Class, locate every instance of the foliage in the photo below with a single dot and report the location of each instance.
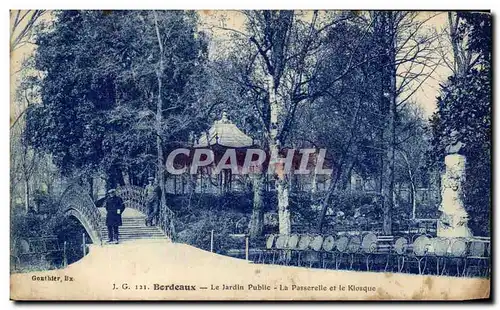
(31, 224)
(198, 231)
(98, 90)
(477, 26)
(369, 204)
(464, 115)
(38, 221)
(46, 221)
(235, 201)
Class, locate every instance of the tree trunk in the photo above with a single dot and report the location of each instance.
(26, 194)
(314, 183)
(455, 43)
(283, 192)
(193, 181)
(413, 200)
(324, 204)
(256, 225)
(388, 190)
(131, 178)
(159, 116)
(90, 180)
(175, 184)
(347, 180)
(119, 177)
(114, 178)
(183, 185)
(26, 178)
(413, 191)
(282, 184)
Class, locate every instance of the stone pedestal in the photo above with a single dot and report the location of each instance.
(454, 218)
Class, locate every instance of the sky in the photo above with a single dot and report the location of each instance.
(424, 97)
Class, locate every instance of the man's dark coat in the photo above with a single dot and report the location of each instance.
(113, 204)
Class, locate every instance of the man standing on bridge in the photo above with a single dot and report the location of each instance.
(114, 207)
(153, 198)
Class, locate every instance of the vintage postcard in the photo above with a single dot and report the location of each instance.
(250, 155)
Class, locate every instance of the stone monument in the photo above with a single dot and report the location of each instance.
(454, 217)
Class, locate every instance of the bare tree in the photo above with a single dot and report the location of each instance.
(24, 160)
(407, 60)
(24, 163)
(453, 47)
(280, 64)
(404, 59)
(22, 24)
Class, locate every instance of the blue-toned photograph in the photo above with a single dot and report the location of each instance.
(344, 142)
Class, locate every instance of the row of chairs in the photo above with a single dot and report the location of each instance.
(383, 252)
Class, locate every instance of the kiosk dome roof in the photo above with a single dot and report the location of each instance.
(223, 132)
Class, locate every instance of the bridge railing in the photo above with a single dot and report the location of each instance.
(167, 221)
(135, 197)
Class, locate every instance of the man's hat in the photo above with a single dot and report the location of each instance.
(111, 191)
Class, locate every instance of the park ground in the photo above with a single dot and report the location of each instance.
(136, 271)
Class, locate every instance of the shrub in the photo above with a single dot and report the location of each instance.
(47, 222)
(196, 230)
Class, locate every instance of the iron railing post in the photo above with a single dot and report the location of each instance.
(83, 244)
(65, 255)
(246, 248)
(212, 241)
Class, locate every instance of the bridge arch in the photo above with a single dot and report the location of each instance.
(77, 203)
(94, 234)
